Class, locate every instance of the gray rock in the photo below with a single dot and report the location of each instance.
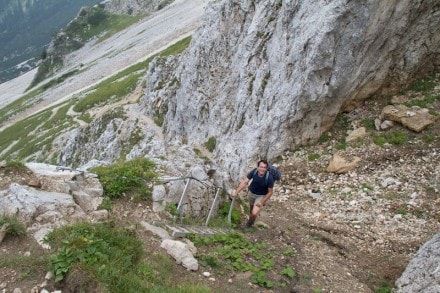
(423, 271)
(181, 253)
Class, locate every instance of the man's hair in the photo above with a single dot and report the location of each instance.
(262, 161)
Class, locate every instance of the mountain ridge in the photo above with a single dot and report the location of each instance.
(27, 26)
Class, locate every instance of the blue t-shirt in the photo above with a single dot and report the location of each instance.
(259, 186)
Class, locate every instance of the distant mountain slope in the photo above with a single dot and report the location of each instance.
(26, 26)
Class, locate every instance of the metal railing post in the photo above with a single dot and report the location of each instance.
(179, 206)
(212, 206)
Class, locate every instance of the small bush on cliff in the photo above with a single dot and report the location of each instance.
(211, 143)
(130, 176)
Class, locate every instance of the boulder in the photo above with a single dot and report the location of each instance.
(413, 118)
(423, 272)
(181, 253)
(340, 165)
(356, 134)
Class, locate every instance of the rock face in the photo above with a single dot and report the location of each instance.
(265, 76)
(423, 271)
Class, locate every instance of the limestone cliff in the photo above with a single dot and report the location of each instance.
(268, 75)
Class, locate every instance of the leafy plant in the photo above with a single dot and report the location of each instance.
(259, 278)
(342, 144)
(124, 177)
(106, 203)
(224, 211)
(92, 245)
(289, 272)
(424, 85)
(238, 254)
(384, 287)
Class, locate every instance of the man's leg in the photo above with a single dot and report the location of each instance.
(253, 210)
(252, 197)
(252, 218)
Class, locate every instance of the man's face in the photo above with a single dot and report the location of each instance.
(262, 168)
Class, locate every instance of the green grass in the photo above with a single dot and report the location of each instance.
(20, 105)
(111, 258)
(124, 82)
(397, 137)
(34, 134)
(16, 227)
(108, 91)
(424, 85)
(112, 24)
(26, 266)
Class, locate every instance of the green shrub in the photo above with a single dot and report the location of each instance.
(211, 143)
(130, 176)
(159, 119)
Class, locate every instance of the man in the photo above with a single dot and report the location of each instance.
(260, 190)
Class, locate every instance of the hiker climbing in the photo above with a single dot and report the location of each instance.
(260, 188)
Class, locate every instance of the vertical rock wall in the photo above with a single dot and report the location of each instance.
(267, 75)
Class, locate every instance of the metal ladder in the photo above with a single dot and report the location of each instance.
(180, 230)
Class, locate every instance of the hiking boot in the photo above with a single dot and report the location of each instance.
(248, 227)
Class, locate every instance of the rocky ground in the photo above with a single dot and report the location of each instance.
(352, 232)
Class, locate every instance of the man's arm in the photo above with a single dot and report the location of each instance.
(240, 187)
(265, 198)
